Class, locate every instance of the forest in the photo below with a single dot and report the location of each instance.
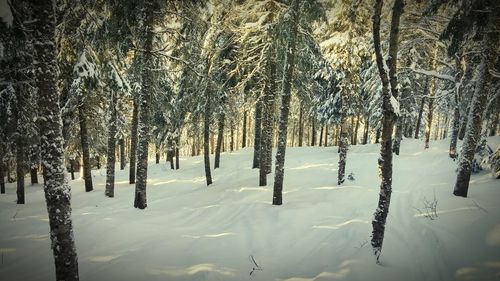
(249, 139)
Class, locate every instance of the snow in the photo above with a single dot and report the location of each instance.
(321, 232)
(395, 105)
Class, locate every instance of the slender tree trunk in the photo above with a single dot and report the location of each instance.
(2, 177)
(478, 104)
(177, 144)
(231, 143)
(20, 171)
(343, 147)
(267, 124)
(220, 136)
(421, 110)
(313, 132)
(72, 168)
(87, 168)
(367, 127)
(257, 134)
(494, 125)
(57, 190)
(398, 136)
(321, 135)
(34, 175)
(110, 167)
(326, 135)
(244, 135)
(143, 117)
(285, 102)
(157, 153)
(206, 139)
(133, 143)
(388, 118)
(123, 160)
(301, 125)
(356, 128)
(463, 123)
(377, 135)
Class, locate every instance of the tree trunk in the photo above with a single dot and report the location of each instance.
(293, 21)
(34, 175)
(20, 142)
(133, 143)
(257, 134)
(313, 132)
(72, 168)
(110, 167)
(206, 139)
(377, 135)
(388, 118)
(326, 135)
(244, 135)
(220, 136)
(421, 110)
(87, 168)
(20, 171)
(231, 143)
(157, 153)
(356, 128)
(475, 118)
(267, 120)
(367, 127)
(143, 117)
(321, 135)
(2, 177)
(123, 160)
(398, 136)
(343, 147)
(57, 190)
(301, 125)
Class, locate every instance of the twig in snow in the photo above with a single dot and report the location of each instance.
(362, 244)
(255, 265)
(479, 207)
(14, 216)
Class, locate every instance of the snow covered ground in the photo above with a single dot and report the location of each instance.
(322, 232)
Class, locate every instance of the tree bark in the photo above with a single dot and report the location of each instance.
(313, 132)
(220, 136)
(133, 143)
(2, 177)
(366, 131)
(244, 134)
(267, 124)
(110, 166)
(326, 135)
(87, 167)
(398, 136)
(321, 135)
(57, 190)
(206, 139)
(143, 118)
(123, 160)
(289, 66)
(388, 118)
(478, 104)
(301, 125)
(257, 134)
(421, 110)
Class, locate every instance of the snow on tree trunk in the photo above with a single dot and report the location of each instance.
(143, 118)
(388, 118)
(257, 133)
(475, 119)
(397, 137)
(267, 122)
(110, 167)
(56, 187)
(220, 136)
(292, 17)
(84, 138)
(343, 147)
(133, 143)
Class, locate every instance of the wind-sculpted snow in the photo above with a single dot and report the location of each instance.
(321, 232)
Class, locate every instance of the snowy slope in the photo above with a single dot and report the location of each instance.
(322, 232)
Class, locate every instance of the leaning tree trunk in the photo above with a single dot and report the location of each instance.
(143, 117)
(56, 188)
(421, 110)
(257, 133)
(454, 130)
(133, 143)
(110, 167)
(388, 118)
(220, 136)
(289, 65)
(475, 119)
(84, 138)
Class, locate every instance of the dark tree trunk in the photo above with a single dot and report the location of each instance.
(301, 125)
(326, 135)
(206, 139)
(2, 177)
(343, 147)
(231, 143)
(20, 171)
(267, 120)
(87, 168)
(244, 135)
(313, 132)
(110, 166)
(321, 135)
(366, 131)
(398, 136)
(72, 168)
(143, 117)
(177, 163)
(421, 110)
(34, 175)
(377, 135)
(356, 128)
(388, 118)
(123, 160)
(257, 134)
(220, 136)
(478, 104)
(57, 190)
(133, 143)
(157, 154)
(289, 63)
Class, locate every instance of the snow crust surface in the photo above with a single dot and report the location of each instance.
(322, 232)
